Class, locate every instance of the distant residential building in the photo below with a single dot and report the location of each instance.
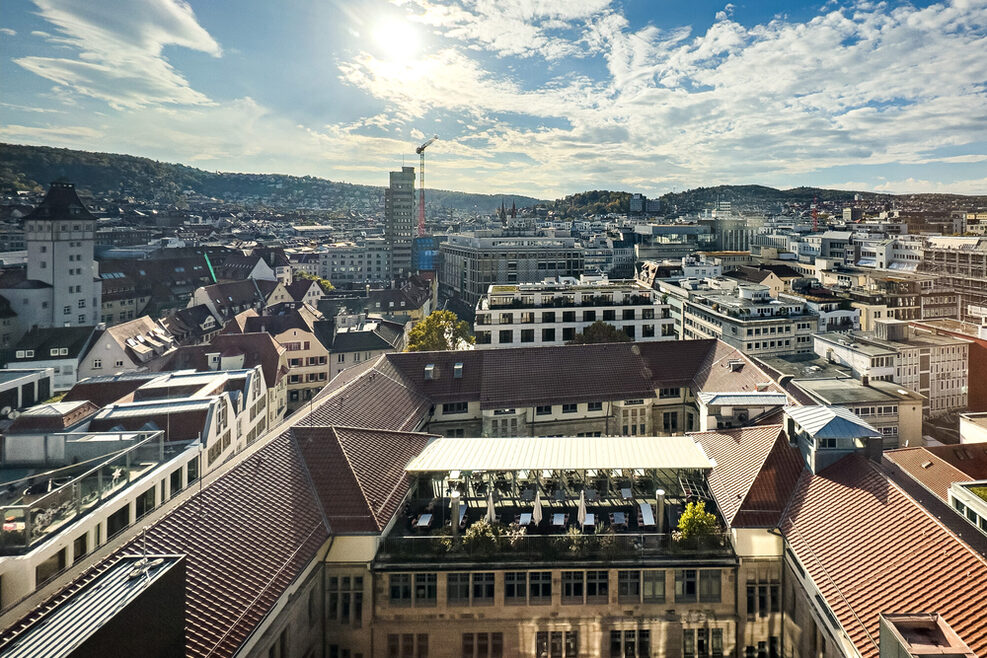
(306, 336)
(60, 348)
(358, 339)
(126, 347)
(399, 219)
(743, 315)
(935, 366)
(227, 299)
(835, 312)
(554, 311)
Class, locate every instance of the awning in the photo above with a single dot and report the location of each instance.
(559, 453)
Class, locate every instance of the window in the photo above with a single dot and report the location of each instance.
(400, 589)
(483, 645)
(425, 589)
(455, 408)
(67, 310)
(97, 364)
(515, 587)
(119, 363)
(556, 644)
(572, 586)
(569, 408)
(653, 586)
(630, 643)
(709, 585)
(666, 393)
(345, 600)
(597, 586)
(548, 335)
(685, 585)
(628, 586)
(543, 410)
(540, 587)
(670, 421)
(716, 642)
(594, 406)
(505, 336)
(527, 335)
(548, 316)
(568, 333)
(483, 588)
(568, 316)
(458, 588)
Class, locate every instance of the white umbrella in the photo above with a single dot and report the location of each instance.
(536, 511)
(581, 514)
(491, 514)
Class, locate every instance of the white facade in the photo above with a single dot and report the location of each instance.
(553, 312)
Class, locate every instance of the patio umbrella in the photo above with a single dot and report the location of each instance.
(581, 514)
(491, 514)
(536, 511)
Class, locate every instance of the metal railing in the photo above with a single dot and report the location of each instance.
(48, 502)
(602, 545)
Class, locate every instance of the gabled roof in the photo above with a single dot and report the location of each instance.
(937, 467)
(754, 473)
(824, 422)
(42, 341)
(357, 473)
(870, 549)
(106, 389)
(751, 398)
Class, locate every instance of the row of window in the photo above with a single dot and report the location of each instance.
(536, 587)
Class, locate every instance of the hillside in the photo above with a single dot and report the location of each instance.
(109, 174)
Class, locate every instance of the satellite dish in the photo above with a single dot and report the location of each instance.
(6, 411)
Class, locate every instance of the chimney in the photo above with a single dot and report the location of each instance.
(660, 499)
(874, 448)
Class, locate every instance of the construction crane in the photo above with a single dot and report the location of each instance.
(421, 178)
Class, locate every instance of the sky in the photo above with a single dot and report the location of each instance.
(539, 97)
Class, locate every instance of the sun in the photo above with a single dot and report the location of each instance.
(396, 39)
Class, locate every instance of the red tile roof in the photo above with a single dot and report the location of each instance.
(937, 467)
(754, 473)
(358, 473)
(871, 548)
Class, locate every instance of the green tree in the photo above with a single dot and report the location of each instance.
(441, 330)
(325, 284)
(600, 332)
(696, 522)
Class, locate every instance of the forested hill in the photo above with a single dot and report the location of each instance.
(106, 174)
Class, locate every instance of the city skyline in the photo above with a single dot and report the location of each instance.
(536, 98)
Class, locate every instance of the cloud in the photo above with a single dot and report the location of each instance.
(119, 46)
(8, 32)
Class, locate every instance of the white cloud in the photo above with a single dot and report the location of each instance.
(8, 32)
(119, 46)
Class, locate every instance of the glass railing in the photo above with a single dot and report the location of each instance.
(38, 506)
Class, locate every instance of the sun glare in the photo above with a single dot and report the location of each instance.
(396, 39)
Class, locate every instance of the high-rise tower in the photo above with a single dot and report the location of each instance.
(399, 219)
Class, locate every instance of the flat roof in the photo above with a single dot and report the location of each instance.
(65, 627)
(845, 390)
(559, 453)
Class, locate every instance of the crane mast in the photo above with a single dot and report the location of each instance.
(421, 185)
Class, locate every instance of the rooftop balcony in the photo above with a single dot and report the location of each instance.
(562, 302)
(38, 506)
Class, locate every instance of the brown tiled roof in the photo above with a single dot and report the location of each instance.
(871, 549)
(937, 467)
(358, 473)
(717, 375)
(367, 396)
(754, 473)
(102, 391)
(257, 349)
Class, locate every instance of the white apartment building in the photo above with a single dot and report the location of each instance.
(935, 366)
(554, 311)
(742, 315)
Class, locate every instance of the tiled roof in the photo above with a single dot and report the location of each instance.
(717, 372)
(358, 473)
(871, 548)
(754, 472)
(937, 467)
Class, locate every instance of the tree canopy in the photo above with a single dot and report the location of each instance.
(441, 330)
(600, 332)
(696, 522)
(325, 284)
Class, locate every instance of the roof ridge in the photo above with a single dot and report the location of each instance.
(363, 490)
(767, 456)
